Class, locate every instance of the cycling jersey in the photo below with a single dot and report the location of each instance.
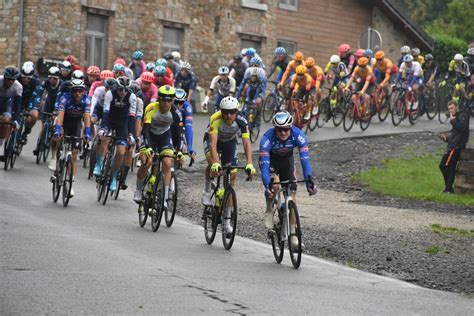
(227, 133)
(317, 75)
(97, 102)
(237, 71)
(429, 71)
(10, 99)
(164, 81)
(137, 69)
(384, 69)
(186, 113)
(282, 64)
(160, 122)
(460, 70)
(72, 109)
(150, 95)
(413, 74)
(224, 88)
(272, 148)
(186, 83)
(364, 73)
(256, 89)
(44, 97)
(28, 91)
(470, 61)
(349, 60)
(94, 86)
(291, 68)
(301, 82)
(341, 73)
(119, 114)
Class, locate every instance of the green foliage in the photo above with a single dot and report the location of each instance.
(446, 47)
(436, 249)
(438, 229)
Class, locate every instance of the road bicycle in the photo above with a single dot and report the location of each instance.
(272, 103)
(405, 105)
(356, 113)
(105, 178)
(224, 207)
(13, 146)
(284, 210)
(63, 176)
(252, 115)
(429, 96)
(297, 110)
(380, 103)
(43, 142)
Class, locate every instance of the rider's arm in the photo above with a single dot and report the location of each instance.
(105, 116)
(265, 147)
(274, 67)
(131, 114)
(188, 125)
(232, 86)
(245, 138)
(302, 144)
(16, 109)
(178, 121)
(213, 146)
(286, 73)
(212, 87)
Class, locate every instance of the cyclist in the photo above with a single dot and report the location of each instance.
(384, 70)
(120, 107)
(317, 82)
(125, 71)
(430, 71)
(253, 88)
(300, 85)
(411, 72)
(148, 88)
(10, 102)
(337, 69)
(347, 57)
(186, 80)
(290, 69)
(137, 65)
(93, 75)
(237, 69)
(415, 52)
(164, 63)
(251, 53)
(29, 82)
(364, 76)
(280, 61)
(369, 53)
(73, 108)
(104, 74)
(73, 61)
(221, 138)
(160, 77)
(150, 67)
(97, 101)
(404, 50)
(66, 70)
(460, 70)
(118, 70)
(158, 118)
(186, 110)
(276, 162)
(172, 64)
(44, 98)
(224, 85)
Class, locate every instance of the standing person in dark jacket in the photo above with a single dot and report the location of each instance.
(457, 141)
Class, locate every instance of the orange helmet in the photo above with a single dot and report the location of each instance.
(363, 61)
(379, 55)
(93, 70)
(104, 74)
(299, 56)
(300, 70)
(147, 77)
(309, 62)
(359, 53)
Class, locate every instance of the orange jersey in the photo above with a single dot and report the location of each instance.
(298, 82)
(290, 68)
(316, 72)
(385, 66)
(365, 74)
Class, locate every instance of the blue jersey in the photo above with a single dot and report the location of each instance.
(255, 88)
(71, 109)
(47, 94)
(270, 145)
(187, 115)
(185, 83)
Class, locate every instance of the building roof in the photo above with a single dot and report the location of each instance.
(413, 31)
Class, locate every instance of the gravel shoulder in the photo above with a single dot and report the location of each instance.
(348, 224)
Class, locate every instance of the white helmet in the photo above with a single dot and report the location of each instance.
(176, 55)
(470, 51)
(229, 103)
(77, 74)
(186, 66)
(405, 49)
(254, 71)
(282, 119)
(243, 52)
(335, 59)
(458, 57)
(28, 69)
(223, 70)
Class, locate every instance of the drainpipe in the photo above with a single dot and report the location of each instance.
(20, 33)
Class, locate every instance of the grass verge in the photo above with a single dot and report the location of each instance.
(415, 177)
(438, 229)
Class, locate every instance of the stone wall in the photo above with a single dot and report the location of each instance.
(9, 28)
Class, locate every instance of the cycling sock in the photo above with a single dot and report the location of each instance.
(126, 169)
(98, 160)
(207, 185)
(167, 188)
(228, 211)
(1, 146)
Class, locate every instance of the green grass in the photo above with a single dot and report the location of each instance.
(414, 177)
(436, 249)
(438, 229)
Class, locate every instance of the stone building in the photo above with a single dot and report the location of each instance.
(207, 33)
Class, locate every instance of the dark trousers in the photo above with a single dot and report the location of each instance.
(448, 167)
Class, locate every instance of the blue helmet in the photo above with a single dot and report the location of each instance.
(369, 52)
(280, 51)
(180, 95)
(282, 119)
(250, 51)
(118, 67)
(256, 61)
(11, 73)
(150, 66)
(160, 70)
(138, 55)
(161, 62)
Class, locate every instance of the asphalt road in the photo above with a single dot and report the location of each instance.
(94, 259)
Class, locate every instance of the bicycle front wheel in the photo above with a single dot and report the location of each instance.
(157, 202)
(210, 223)
(229, 212)
(67, 180)
(348, 120)
(275, 235)
(56, 180)
(170, 212)
(398, 111)
(384, 109)
(268, 108)
(295, 248)
(143, 212)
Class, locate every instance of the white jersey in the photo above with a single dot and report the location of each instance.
(98, 98)
(414, 70)
(15, 90)
(223, 87)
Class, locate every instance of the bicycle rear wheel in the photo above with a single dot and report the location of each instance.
(210, 223)
(268, 108)
(324, 112)
(413, 114)
(67, 180)
(46, 143)
(170, 212)
(275, 236)
(157, 202)
(398, 111)
(143, 212)
(295, 249)
(56, 180)
(106, 177)
(348, 120)
(384, 109)
(443, 107)
(229, 198)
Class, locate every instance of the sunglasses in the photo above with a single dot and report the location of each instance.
(300, 74)
(282, 129)
(121, 89)
(229, 112)
(160, 76)
(179, 102)
(77, 91)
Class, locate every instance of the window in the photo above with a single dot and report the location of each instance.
(289, 46)
(95, 39)
(291, 5)
(172, 39)
(245, 43)
(254, 4)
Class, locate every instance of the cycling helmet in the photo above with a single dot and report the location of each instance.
(229, 103)
(458, 57)
(168, 56)
(280, 51)
(110, 83)
(369, 52)
(65, 65)
(250, 51)
(150, 67)
(300, 70)
(256, 61)
(408, 58)
(167, 92)
(76, 84)
(161, 62)
(138, 55)
(282, 119)
(415, 51)
(380, 54)
(299, 56)
(120, 61)
(147, 77)
(470, 51)
(238, 57)
(118, 67)
(363, 61)
(176, 55)
(309, 62)
(405, 49)
(77, 74)
(243, 52)
(123, 82)
(180, 95)
(11, 73)
(253, 71)
(335, 59)
(93, 70)
(28, 69)
(344, 48)
(135, 87)
(186, 66)
(54, 72)
(359, 53)
(160, 71)
(104, 74)
(71, 59)
(429, 57)
(223, 70)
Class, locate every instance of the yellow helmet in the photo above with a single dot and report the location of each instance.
(300, 70)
